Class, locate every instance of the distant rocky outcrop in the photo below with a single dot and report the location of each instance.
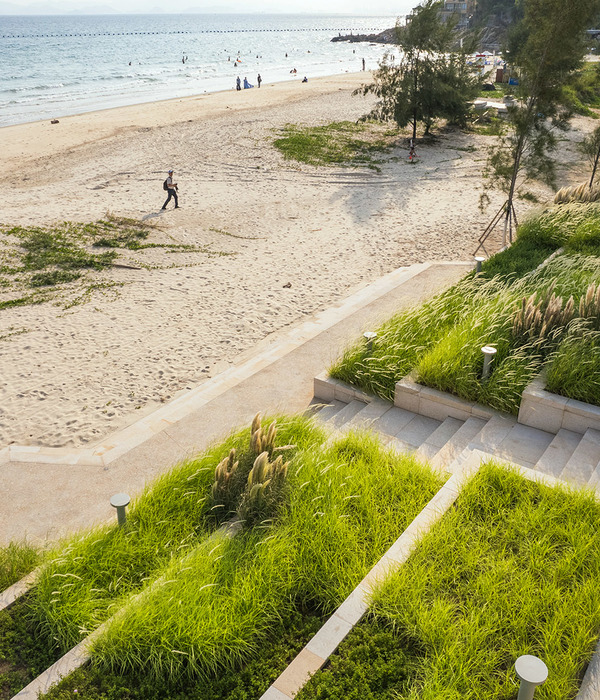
(387, 36)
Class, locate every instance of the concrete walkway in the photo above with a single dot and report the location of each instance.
(50, 492)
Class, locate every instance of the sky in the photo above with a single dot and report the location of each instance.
(372, 7)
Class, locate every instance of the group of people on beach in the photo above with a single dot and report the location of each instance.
(238, 82)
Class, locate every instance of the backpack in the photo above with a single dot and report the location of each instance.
(165, 186)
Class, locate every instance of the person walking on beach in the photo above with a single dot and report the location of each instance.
(171, 187)
(238, 83)
(258, 80)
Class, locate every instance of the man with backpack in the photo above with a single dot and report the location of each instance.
(171, 187)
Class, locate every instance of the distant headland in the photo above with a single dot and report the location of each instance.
(387, 36)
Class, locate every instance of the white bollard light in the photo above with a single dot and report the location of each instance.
(488, 355)
(370, 338)
(120, 501)
(531, 672)
(478, 262)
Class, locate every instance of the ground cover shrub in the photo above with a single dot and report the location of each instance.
(584, 91)
(213, 610)
(339, 143)
(16, 560)
(512, 569)
(86, 578)
(24, 654)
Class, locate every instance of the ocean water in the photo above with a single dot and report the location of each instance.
(53, 66)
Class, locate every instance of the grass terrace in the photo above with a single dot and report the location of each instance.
(512, 569)
(535, 314)
(189, 604)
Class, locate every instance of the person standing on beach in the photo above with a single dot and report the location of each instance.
(258, 80)
(171, 189)
(363, 64)
(238, 83)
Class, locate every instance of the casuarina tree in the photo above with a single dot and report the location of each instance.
(545, 48)
(430, 80)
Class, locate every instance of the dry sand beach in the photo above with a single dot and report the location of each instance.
(281, 241)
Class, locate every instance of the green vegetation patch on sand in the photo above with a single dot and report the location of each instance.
(512, 569)
(339, 143)
(37, 263)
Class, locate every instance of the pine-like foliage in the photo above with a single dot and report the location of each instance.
(430, 80)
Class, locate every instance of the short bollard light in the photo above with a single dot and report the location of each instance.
(120, 501)
(478, 262)
(531, 672)
(370, 338)
(488, 355)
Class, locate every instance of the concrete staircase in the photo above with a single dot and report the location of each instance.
(567, 455)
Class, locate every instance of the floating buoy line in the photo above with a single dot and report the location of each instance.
(200, 31)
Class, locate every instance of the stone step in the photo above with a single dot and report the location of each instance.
(330, 409)
(584, 460)
(594, 480)
(494, 432)
(439, 438)
(392, 422)
(345, 414)
(458, 442)
(417, 431)
(558, 453)
(368, 417)
(522, 445)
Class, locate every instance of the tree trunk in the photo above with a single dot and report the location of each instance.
(594, 168)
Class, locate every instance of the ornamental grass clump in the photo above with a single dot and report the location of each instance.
(512, 569)
(574, 369)
(407, 337)
(246, 480)
(265, 490)
(540, 315)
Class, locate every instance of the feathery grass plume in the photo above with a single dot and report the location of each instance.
(540, 315)
(577, 193)
(233, 476)
(265, 490)
(589, 306)
(261, 440)
(223, 476)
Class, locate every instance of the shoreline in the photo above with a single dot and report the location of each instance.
(274, 242)
(14, 138)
